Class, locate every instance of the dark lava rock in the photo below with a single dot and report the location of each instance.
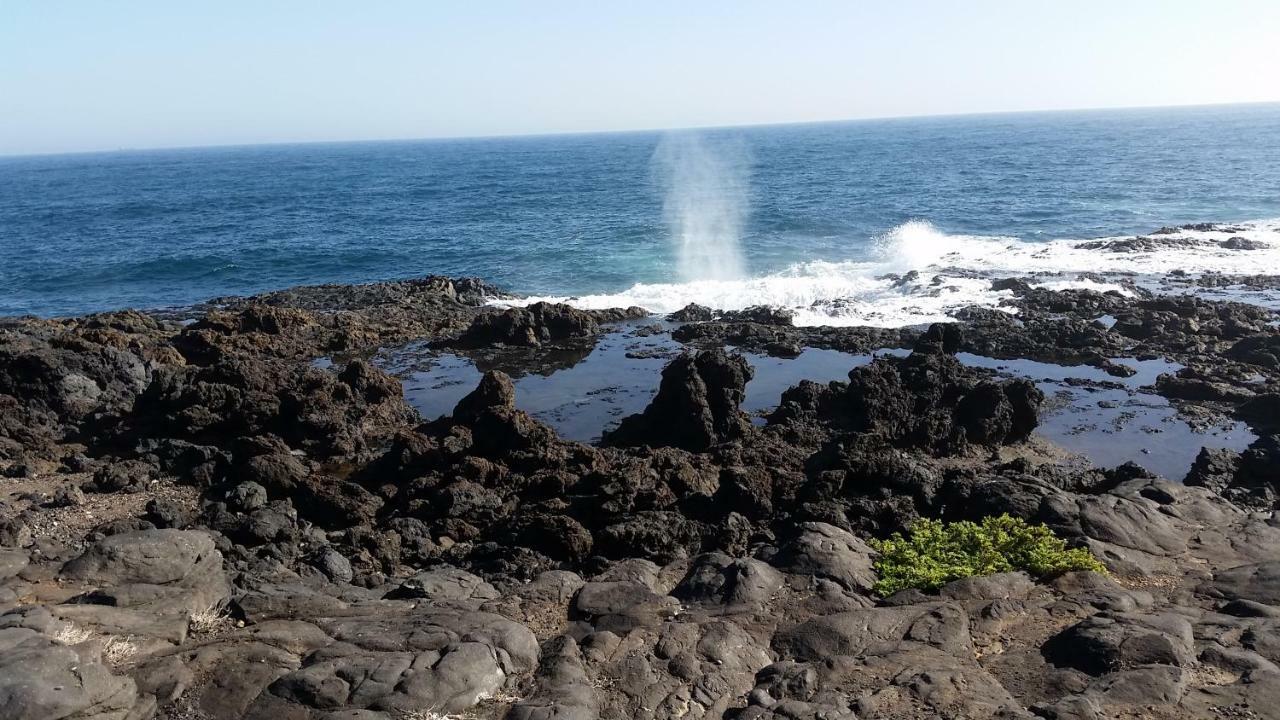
(761, 315)
(1017, 285)
(1262, 349)
(944, 338)
(696, 405)
(692, 312)
(1107, 642)
(494, 391)
(1262, 411)
(927, 400)
(1140, 244)
(1213, 468)
(531, 326)
(68, 495)
(1241, 243)
(127, 476)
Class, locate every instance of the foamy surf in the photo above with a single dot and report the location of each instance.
(955, 271)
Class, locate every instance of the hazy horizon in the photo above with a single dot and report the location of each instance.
(644, 130)
(85, 77)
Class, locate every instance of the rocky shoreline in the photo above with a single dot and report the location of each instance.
(200, 519)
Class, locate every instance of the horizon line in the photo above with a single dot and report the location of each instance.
(627, 131)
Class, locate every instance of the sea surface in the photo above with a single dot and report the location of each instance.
(813, 217)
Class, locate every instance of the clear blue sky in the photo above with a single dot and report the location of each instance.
(98, 74)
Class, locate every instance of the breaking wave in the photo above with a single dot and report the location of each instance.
(918, 274)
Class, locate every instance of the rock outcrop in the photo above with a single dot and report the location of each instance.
(206, 520)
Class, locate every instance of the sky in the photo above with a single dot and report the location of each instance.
(80, 75)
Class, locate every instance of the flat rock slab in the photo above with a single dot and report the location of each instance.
(41, 679)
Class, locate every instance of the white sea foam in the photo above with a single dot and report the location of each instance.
(955, 271)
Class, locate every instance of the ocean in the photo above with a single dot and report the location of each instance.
(821, 218)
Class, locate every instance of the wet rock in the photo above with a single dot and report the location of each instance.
(760, 315)
(494, 391)
(1241, 243)
(1213, 468)
(692, 312)
(696, 405)
(1017, 285)
(927, 400)
(940, 338)
(1262, 411)
(534, 325)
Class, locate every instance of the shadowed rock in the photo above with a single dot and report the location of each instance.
(531, 326)
(696, 406)
(495, 390)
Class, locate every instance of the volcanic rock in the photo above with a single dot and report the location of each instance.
(696, 405)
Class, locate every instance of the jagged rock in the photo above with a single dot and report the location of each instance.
(247, 496)
(761, 315)
(69, 495)
(653, 535)
(127, 476)
(692, 312)
(534, 325)
(742, 582)
(1213, 468)
(696, 405)
(494, 391)
(167, 514)
(941, 338)
(927, 400)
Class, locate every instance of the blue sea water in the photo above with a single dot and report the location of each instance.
(593, 214)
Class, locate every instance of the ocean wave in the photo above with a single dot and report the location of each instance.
(918, 274)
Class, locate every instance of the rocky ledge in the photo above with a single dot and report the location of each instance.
(200, 518)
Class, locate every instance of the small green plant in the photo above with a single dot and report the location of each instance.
(935, 553)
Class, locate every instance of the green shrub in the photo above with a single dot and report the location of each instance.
(935, 553)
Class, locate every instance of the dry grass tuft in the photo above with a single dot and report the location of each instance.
(210, 620)
(119, 650)
(72, 634)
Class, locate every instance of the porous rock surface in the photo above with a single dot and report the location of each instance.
(212, 525)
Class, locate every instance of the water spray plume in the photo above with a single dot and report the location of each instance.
(705, 205)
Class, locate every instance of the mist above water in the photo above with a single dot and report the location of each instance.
(705, 204)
